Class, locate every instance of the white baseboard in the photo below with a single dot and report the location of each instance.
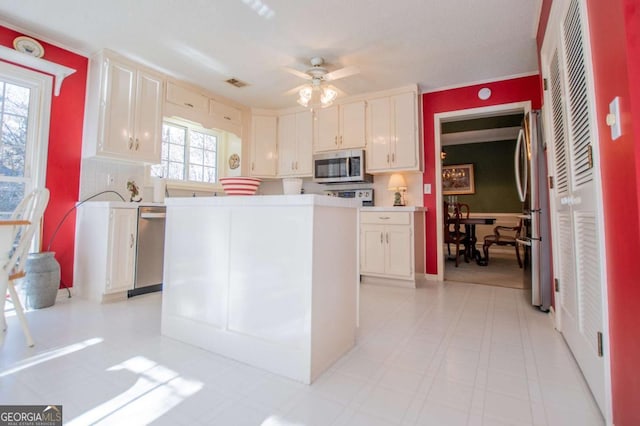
(552, 316)
(389, 282)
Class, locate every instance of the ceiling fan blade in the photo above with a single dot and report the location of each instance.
(297, 73)
(341, 73)
(295, 90)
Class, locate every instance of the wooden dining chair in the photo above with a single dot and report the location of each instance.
(504, 236)
(27, 218)
(453, 233)
(463, 209)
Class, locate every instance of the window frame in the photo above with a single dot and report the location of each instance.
(220, 149)
(38, 123)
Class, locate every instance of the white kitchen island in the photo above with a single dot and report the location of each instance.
(270, 281)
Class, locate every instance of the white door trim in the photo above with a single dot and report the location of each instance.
(438, 119)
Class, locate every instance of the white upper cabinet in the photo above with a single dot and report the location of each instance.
(225, 112)
(195, 104)
(123, 113)
(295, 142)
(148, 117)
(393, 142)
(264, 158)
(341, 127)
(187, 98)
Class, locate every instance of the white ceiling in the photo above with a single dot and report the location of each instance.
(434, 43)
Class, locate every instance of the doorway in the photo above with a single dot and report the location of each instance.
(485, 138)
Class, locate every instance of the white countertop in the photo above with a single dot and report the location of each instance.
(264, 200)
(393, 209)
(118, 204)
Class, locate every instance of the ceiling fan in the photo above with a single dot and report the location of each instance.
(319, 76)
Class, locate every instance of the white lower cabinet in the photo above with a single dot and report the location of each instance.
(105, 250)
(392, 244)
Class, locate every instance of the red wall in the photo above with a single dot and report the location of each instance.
(614, 28)
(502, 92)
(632, 27)
(618, 159)
(65, 144)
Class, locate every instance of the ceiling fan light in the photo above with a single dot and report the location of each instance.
(303, 101)
(328, 96)
(305, 93)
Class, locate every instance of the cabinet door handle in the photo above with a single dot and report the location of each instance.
(387, 158)
(130, 240)
(188, 104)
(253, 166)
(393, 157)
(384, 217)
(227, 118)
(130, 142)
(137, 144)
(387, 238)
(296, 165)
(381, 238)
(340, 139)
(335, 139)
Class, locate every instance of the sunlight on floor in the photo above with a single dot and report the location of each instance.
(47, 356)
(157, 390)
(278, 421)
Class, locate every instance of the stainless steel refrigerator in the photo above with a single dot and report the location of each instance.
(533, 190)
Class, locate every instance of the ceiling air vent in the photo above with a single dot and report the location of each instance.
(236, 82)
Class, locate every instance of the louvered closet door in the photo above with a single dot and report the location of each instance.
(576, 219)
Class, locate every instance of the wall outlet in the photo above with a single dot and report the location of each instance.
(427, 188)
(110, 179)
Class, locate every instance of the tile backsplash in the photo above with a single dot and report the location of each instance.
(99, 174)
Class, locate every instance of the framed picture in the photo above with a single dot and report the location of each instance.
(458, 179)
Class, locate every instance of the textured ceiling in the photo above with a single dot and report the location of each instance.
(434, 43)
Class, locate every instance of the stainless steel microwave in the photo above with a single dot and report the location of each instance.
(340, 166)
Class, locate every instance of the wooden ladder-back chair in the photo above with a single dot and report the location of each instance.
(453, 233)
(25, 221)
(504, 236)
(463, 210)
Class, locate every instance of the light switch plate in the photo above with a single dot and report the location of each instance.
(614, 110)
(427, 188)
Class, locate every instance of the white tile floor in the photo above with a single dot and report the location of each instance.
(447, 354)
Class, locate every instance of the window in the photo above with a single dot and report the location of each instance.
(24, 122)
(189, 153)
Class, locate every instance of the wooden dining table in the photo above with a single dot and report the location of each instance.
(470, 229)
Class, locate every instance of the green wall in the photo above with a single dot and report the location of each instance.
(494, 175)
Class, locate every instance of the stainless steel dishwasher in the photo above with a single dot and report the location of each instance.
(150, 250)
